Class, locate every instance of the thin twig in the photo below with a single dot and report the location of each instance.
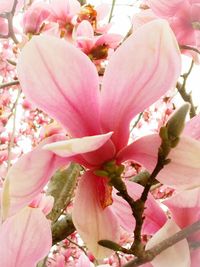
(10, 145)
(118, 258)
(9, 16)
(186, 47)
(111, 11)
(80, 247)
(163, 245)
(8, 84)
(137, 120)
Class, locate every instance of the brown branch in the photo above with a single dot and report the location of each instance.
(187, 97)
(186, 47)
(165, 244)
(62, 229)
(76, 244)
(9, 16)
(8, 84)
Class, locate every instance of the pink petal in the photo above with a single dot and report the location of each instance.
(110, 39)
(184, 169)
(85, 29)
(25, 239)
(177, 255)
(92, 222)
(27, 177)
(63, 91)
(155, 217)
(183, 30)
(3, 26)
(64, 10)
(165, 8)
(45, 203)
(83, 261)
(195, 258)
(185, 209)
(142, 69)
(85, 36)
(192, 128)
(142, 18)
(75, 146)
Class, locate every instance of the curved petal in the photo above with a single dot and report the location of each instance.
(112, 40)
(25, 238)
(177, 255)
(65, 86)
(75, 146)
(184, 169)
(83, 261)
(28, 176)
(192, 128)
(195, 258)
(84, 29)
(64, 10)
(155, 217)
(141, 70)
(165, 8)
(142, 18)
(92, 222)
(185, 207)
(85, 36)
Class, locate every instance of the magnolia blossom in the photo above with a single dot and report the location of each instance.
(63, 12)
(95, 15)
(34, 17)
(142, 69)
(183, 16)
(96, 47)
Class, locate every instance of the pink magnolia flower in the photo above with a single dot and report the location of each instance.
(63, 12)
(183, 16)
(91, 116)
(99, 120)
(34, 17)
(95, 15)
(96, 47)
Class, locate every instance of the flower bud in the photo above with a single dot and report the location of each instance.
(176, 123)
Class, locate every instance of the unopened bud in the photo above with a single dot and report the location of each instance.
(176, 123)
